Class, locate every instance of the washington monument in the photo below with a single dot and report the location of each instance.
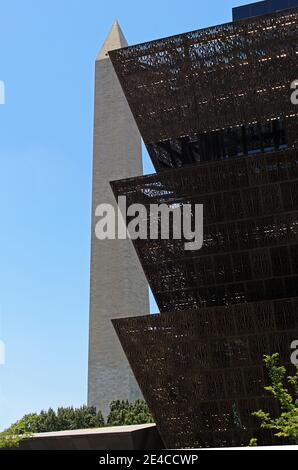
(117, 285)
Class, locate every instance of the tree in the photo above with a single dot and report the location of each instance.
(9, 439)
(124, 413)
(64, 419)
(285, 390)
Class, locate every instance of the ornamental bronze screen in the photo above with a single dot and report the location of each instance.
(214, 93)
(202, 373)
(250, 249)
(214, 106)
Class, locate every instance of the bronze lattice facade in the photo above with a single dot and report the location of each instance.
(201, 372)
(250, 249)
(214, 110)
(231, 82)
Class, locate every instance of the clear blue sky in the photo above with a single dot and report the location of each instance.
(47, 63)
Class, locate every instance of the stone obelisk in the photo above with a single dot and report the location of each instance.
(117, 284)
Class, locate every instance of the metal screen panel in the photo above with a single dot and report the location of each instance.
(214, 106)
(250, 248)
(201, 372)
(209, 80)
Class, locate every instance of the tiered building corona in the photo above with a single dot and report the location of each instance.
(213, 107)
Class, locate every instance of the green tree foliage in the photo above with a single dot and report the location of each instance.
(124, 413)
(285, 390)
(253, 442)
(64, 419)
(9, 439)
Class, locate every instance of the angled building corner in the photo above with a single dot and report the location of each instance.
(200, 362)
(117, 283)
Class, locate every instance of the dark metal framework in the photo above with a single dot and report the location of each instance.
(213, 107)
(228, 81)
(201, 372)
(250, 249)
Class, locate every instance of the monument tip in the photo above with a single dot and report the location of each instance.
(114, 40)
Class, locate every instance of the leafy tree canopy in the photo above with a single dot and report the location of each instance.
(124, 413)
(66, 419)
(285, 390)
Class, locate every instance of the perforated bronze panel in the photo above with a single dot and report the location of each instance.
(201, 371)
(211, 79)
(215, 105)
(250, 249)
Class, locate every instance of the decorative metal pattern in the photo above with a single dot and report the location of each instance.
(201, 372)
(250, 249)
(235, 75)
(214, 106)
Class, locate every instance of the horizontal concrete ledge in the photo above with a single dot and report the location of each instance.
(95, 431)
(143, 437)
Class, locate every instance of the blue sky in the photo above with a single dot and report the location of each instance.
(47, 52)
